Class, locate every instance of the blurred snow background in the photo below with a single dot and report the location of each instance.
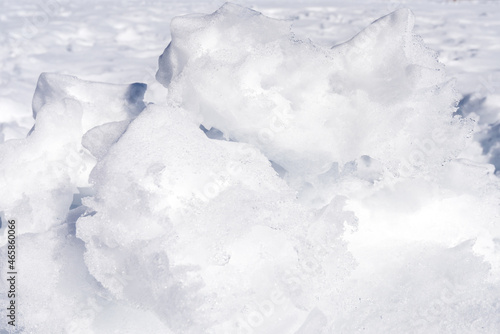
(182, 233)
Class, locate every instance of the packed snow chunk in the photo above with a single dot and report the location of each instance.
(191, 38)
(45, 171)
(179, 221)
(382, 94)
(101, 102)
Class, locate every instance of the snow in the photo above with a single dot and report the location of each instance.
(101, 103)
(267, 182)
(306, 107)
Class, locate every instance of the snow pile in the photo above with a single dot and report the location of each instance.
(333, 199)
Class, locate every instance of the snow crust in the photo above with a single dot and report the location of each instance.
(283, 187)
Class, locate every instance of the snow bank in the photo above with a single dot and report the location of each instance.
(282, 188)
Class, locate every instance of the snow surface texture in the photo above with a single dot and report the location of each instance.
(336, 197)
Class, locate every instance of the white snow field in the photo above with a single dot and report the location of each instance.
(258, 166)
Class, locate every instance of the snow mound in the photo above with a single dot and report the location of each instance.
(336, 202)
(382, 94)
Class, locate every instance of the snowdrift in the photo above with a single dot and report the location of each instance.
(282, 188)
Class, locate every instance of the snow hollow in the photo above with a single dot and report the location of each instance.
(282, 187)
